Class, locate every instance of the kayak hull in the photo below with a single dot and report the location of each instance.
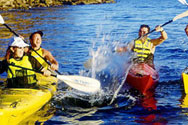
(17, 104)
(143, 84)
(142, 78)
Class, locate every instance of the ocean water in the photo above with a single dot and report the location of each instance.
(76, 34)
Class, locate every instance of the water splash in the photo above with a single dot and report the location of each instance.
(109, 66)
(106, 65)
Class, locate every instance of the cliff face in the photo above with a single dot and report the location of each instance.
(26, 4)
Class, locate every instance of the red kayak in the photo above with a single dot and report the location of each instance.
(142, 77)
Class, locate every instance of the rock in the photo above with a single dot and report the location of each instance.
(6, 4)
(26, 4)
(20, 4)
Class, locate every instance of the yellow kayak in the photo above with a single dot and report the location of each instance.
(41, 116)
(184, 101)
(185, 82)
(17, 104)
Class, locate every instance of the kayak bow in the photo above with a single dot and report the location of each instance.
(17, 104)
(142, 77)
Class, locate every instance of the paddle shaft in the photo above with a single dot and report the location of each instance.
(11, 30)
(30, 69)
(122, 83)
(161, 26)
(80, 83)
(45, 60)
(179, 16)
(154, 30)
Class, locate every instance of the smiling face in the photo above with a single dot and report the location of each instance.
(36, 41)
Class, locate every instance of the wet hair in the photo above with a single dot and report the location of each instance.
(37, 32)
(144, 25)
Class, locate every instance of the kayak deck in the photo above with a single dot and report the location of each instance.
(142, 78)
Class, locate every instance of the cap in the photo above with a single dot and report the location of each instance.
(39, 32)
(18, 42)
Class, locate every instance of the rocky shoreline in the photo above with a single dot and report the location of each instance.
(27, 4)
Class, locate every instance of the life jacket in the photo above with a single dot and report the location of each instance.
(37, 54)
(19, 77)
(143, 51)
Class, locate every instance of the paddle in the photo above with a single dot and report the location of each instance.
(183, 2)
(88, 64)
(119, 88)
(45, 60)
(179, 16)
(3, 22)
(184, 14)
(80, 83)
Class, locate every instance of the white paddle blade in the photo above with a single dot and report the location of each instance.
(183, 2)
(81, 83)
(1, 20)
(184, 14)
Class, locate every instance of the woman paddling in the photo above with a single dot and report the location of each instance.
(16, 64)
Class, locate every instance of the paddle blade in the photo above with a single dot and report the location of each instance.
(183, 2)
(1, 20)
(184, 14)
(81, 83)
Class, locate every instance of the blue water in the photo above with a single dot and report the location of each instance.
(75, 34)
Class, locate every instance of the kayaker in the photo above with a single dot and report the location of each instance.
(16, 63)
(144, 47)
(40, 53)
